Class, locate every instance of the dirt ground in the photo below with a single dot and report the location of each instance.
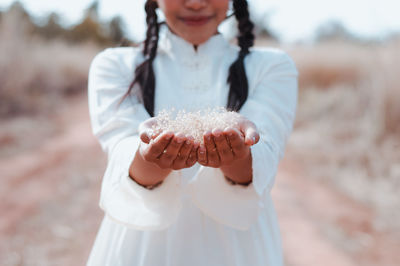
(51, 171)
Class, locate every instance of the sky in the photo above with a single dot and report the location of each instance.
(292, 20)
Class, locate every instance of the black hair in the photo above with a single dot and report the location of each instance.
(237, 79)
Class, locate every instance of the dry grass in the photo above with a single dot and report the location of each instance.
(35, 74)
(371, 71)
(329, 64)
(348, 122)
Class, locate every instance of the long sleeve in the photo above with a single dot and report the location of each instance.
(116, 128)
(271, 105)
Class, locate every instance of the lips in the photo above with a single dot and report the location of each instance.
(196, 20)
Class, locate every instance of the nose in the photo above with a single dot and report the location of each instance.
(195, 4)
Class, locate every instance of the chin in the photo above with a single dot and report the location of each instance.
(198, 39)
(195, 35)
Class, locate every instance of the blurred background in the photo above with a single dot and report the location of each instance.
(337, 189)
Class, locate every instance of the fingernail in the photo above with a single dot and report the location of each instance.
(188, 142)
(179, 141)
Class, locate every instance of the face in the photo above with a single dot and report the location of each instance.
(194, 20)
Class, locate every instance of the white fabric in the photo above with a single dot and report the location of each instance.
(195, 217)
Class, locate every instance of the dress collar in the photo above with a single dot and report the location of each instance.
(173, 44)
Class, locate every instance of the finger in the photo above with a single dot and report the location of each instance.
(224, 149)
(212, 153)
(251, 134)
(146, 136)
(146, 129)
(169, 155)
(157, 146)
(155, 133)
(202, 155)
(236, 141)
(183, 154)
(192, 159)
(249, 131)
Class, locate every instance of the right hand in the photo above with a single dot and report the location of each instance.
(166, 149)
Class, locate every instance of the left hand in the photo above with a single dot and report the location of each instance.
(224, 147)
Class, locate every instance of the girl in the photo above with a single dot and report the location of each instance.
(169, 200)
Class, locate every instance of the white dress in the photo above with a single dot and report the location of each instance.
(195, 217)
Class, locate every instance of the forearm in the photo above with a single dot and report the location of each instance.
(240, 171)
(146, 173)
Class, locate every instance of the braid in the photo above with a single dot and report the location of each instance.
(144, 73)
(237, 78)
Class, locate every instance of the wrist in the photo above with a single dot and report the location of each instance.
(146, 174)
(244, 183)
(239, 172)
(147, 186)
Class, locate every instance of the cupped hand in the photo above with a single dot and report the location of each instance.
(224, 147)
(146, 131)
(166, 149)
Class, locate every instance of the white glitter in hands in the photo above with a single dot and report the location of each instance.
(197, 123)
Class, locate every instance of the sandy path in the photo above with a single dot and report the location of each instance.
(322, 226)
(49, 196)
(50, 215)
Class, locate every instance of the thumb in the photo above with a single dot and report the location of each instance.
(146, 136)
(146, 129)
(251, 134)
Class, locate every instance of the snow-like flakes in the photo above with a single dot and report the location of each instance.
(196, 123)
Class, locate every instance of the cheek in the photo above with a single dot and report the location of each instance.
(221, 4)
(221, 8)
(169, 7)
